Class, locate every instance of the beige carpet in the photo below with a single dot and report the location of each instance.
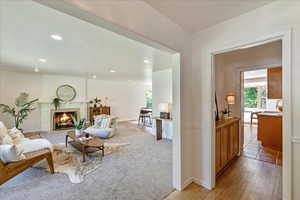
(69, 161)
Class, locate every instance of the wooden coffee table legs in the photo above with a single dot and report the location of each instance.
(85, 149)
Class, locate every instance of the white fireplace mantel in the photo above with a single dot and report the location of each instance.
(47, 108)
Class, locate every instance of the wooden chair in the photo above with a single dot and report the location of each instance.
(254, 115)
(10, 170)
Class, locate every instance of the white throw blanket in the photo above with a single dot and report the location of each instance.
(36, 145)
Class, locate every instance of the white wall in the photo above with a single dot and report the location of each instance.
(161, 89)
(279, 16)
(125, 98)
(162, 93)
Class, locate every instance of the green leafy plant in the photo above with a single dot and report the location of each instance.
(20, 110)
(56, 102)
(79, 125)
(95, 101)
(149, 99)
(250, 97)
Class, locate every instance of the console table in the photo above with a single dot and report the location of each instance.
(159, 128)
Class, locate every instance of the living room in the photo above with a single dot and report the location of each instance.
(75, 73)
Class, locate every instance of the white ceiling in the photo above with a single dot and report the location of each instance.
(85, 50)
(194, 15)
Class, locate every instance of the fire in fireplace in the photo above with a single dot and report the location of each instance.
(63, 120)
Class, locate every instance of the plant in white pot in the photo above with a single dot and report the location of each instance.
(78, 125)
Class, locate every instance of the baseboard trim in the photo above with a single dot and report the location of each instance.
(187, 183)
(196, 181)
(202, 183)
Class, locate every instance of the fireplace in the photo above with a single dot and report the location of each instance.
(63, 119)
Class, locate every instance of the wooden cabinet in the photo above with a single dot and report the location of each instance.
(98, 111)
(275, 83)
(270, 130)
(227, 143)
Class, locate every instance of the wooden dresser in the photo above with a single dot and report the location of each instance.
(227, 143)
(98, 111)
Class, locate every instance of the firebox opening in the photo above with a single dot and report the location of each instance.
(63, 120)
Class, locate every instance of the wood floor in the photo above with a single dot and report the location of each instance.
(253, 148)
(246, 179)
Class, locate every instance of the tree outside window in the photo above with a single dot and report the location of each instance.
(149, 99)
(250, 97)
(255, 97)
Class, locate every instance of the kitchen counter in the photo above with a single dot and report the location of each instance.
(271, 114)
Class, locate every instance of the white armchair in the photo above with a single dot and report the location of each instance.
(105, 126)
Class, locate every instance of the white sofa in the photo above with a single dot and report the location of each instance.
(14, 146)
(105, 126)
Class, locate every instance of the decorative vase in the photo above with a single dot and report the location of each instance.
(77, 132)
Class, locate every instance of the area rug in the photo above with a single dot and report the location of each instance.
(69, 161)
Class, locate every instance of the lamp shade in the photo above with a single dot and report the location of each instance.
(230, 99)
(165, 107)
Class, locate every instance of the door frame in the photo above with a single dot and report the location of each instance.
(286, 38)
(240, 72)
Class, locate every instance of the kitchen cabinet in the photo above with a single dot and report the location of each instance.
(275, 83)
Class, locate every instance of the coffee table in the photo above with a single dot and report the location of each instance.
(86, 146)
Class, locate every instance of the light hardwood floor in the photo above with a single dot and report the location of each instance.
(246, 179)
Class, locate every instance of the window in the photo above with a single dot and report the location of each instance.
(255, 97)
(250, 95)
(149, 99)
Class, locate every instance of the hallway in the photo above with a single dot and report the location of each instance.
(246, 179)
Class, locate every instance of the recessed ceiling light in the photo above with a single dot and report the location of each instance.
(56, 37)
(94, 76)
(112, 71)
(147, 61)
(42, 60)
(36, 70)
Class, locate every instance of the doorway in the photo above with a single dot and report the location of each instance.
(231, 74)
(257, 103)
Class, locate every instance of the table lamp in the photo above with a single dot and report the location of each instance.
(164, 109)
(230, 98)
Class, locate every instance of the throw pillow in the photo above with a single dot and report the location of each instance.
(11, 153)
(16, 135)
(6, 140)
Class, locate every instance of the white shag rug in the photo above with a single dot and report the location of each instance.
(69, 161)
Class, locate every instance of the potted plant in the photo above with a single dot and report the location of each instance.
(78, 125)
(95, 102)
(56, 102)
(20, 110)
(225, 113)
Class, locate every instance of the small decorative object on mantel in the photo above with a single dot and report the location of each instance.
(78, 125)
(66, 93)
(20, 110)
(96, 101)
(56, 102)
